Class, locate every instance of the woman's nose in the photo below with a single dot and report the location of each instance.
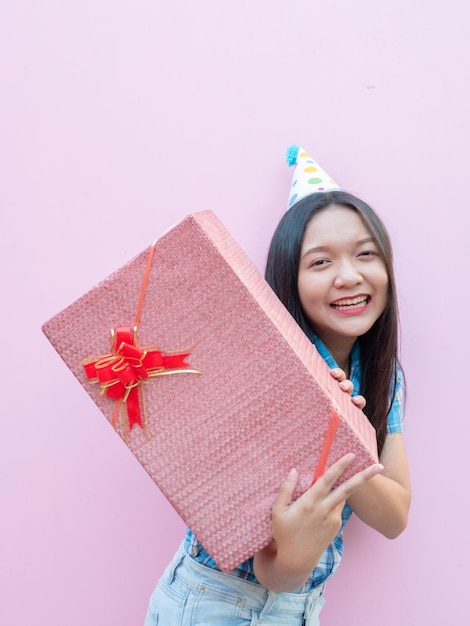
(348, 275)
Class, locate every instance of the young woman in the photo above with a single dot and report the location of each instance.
(330, 263)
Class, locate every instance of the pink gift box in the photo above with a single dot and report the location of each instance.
(219, 443)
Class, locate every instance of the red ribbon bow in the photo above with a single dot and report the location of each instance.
(121, 372)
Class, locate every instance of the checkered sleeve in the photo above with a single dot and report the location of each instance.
(395, 416)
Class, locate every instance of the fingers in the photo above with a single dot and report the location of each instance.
(346, 489)
(338, 374)
(347, 386)
(359, 401)
(286, 490)
(323, 488)
(344, 383)
(332, 475)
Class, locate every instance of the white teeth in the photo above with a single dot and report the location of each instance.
(350, 303)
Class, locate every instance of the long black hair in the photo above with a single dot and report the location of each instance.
(379, 345)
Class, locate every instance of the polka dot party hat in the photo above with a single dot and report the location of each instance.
(309, 177)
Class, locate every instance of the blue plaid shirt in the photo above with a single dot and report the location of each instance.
(332, 556)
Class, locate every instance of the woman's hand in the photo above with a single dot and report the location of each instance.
(346, 385)
(303, 529)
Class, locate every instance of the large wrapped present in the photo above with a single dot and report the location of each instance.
(206, 377)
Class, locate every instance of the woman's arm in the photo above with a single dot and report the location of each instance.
(383, 503)
(303, 529)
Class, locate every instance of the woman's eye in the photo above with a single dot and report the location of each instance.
(369, 253)
(318, 262)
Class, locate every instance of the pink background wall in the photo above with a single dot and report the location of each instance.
(118, 118)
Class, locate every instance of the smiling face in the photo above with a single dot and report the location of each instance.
(342, 279)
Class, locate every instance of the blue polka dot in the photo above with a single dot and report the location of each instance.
(294, 183)
(293, 199)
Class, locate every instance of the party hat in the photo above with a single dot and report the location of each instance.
(309, 177)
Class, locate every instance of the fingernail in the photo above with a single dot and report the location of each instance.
(292, 474)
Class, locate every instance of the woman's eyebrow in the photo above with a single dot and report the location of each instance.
(315, 249)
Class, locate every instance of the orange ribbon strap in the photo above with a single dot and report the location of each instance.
(333, 424)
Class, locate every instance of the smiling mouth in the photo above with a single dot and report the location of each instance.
(347, 304)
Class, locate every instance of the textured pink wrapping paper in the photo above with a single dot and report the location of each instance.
(222, 442)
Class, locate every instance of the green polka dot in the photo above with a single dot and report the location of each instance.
(314, 181)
